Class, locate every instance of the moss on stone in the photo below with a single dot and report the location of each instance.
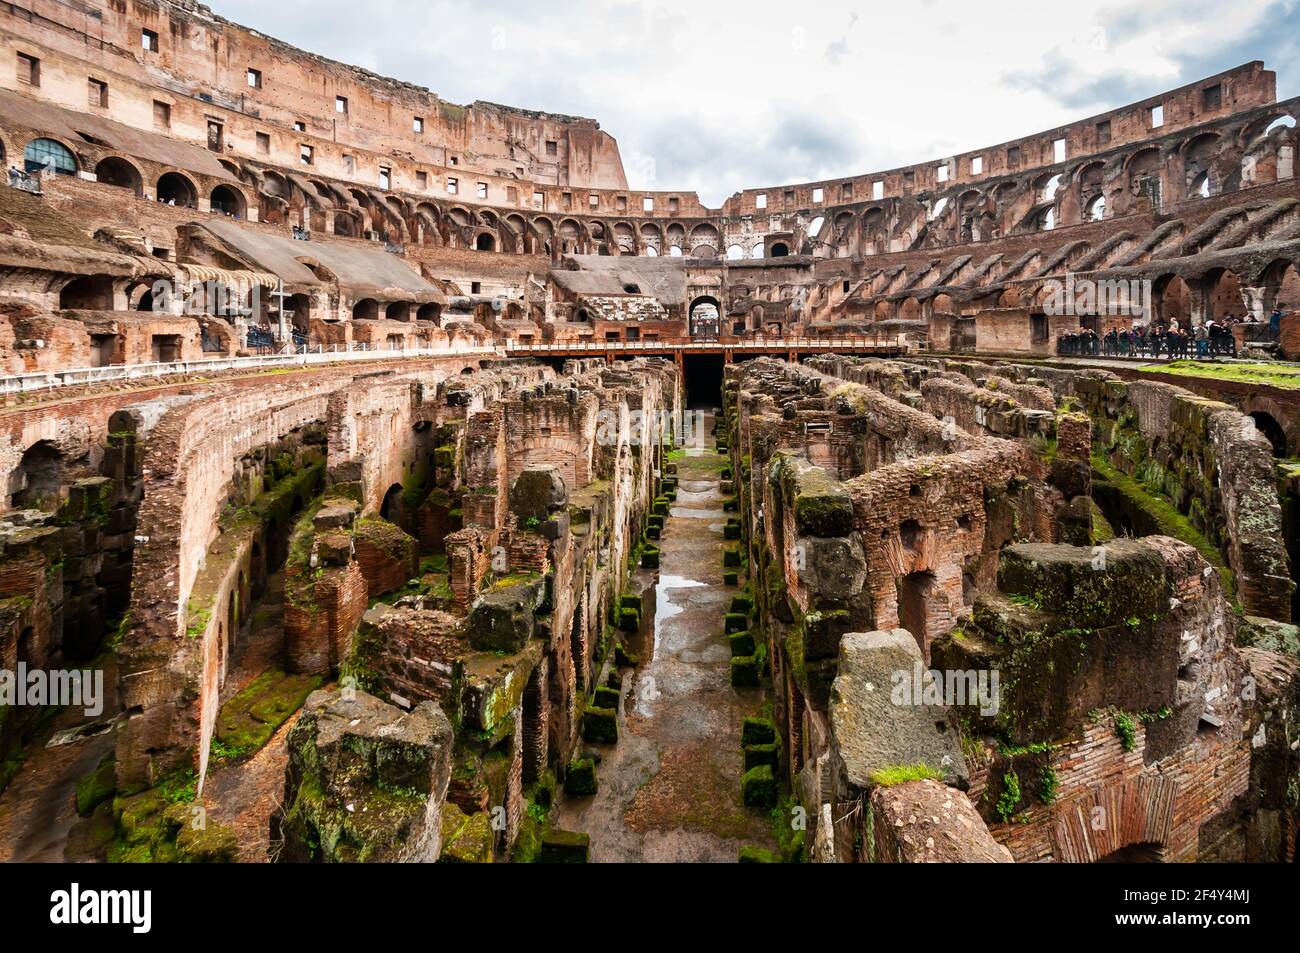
(758, 788)
(902, 773)
(600, 725)
(745, 671)
(742, 644)
(97, 786)
(247, 721)
(580, 778)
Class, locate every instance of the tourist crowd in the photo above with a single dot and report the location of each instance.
(1170, 341)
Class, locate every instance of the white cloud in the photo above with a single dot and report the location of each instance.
(720, 96)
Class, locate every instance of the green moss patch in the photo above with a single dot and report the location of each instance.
(248, 720)
(902, 773)
(1284, 376)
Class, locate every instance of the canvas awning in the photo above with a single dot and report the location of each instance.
(231, 279)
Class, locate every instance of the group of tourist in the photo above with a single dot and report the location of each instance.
(1170, 341)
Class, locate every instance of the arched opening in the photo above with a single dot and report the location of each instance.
(38, 479)
(49, 155)
(429, 312)
(1223, 296)
(175, 189)
(1176, 302)
(391, 507)
(485, 242)
(705, 314)
(227, 201)
(398, 311)
(88, 293)
(1096, 210)
(1145, 184)
(119, 173)
(297, 310)
(1281, 281)
(1267, 424)
(779, 250)
(257, 570)
(734, 252)
(27, 647)
(367, 309)
(1048, 187)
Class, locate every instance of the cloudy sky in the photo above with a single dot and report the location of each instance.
(719, 95)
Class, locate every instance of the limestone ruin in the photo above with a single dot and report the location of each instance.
(419, 492)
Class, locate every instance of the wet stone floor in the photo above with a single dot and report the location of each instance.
(669, 790)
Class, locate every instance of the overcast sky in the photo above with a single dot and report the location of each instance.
(716, 95)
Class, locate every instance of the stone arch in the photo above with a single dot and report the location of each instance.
(625, 238)
(228, 200)
(177, 188)
(557, 450)
(1279, 426)
(704, 316)
(1173, 300)
(88, 293)
(119, 172)
(1281, 282)
(391, 506)
(1143, 174)
(1202, 178)
(348, 223)
(367, 309)
(1223, 294)
(37, 481)
(1268, 425)
(1137, 811)
(48, 152)
(652, 238)
(704, 240)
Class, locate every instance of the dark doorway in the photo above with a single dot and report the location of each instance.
(922, 607)
(703, 374)
(1272, 431)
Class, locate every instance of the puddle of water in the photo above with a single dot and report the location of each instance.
(698, 514)
(646, 692)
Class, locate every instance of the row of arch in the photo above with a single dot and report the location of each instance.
(48, 156)
(1214, 294)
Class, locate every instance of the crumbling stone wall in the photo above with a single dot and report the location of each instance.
(1122, 693)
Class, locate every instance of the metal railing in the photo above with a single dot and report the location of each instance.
(714, 344)
(288, 356)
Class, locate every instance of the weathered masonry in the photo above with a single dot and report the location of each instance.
(946, 601)
(343, 429)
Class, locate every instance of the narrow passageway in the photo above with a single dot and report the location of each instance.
(669, 790)
(38, 808)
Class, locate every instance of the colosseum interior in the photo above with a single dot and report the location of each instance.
(832, 525)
